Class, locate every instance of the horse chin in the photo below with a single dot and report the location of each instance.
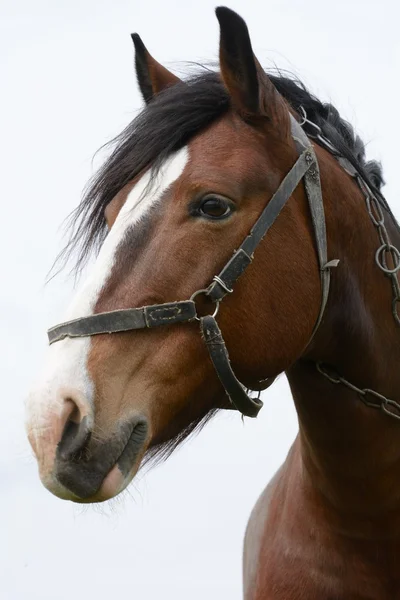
(113, 484)
(99, 472)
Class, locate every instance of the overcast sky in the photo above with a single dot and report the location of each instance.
(68, 86)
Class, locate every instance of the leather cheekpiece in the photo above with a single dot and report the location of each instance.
(214, 341)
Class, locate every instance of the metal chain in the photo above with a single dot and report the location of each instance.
(370, 397)
(386, 248)
(367, 396)
(377, 217)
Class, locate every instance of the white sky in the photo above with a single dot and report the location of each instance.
(67, 87)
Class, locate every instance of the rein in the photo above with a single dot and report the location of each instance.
(305, 168)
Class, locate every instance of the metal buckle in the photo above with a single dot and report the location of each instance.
(205, 292)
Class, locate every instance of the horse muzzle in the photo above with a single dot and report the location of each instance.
(82, 465)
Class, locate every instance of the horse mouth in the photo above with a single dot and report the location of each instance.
(133, 447)
(107, 467)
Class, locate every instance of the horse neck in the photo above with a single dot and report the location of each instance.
(351, 452)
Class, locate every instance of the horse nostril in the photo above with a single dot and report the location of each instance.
(76, 434)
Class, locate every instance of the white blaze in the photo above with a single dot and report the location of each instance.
(65, 374)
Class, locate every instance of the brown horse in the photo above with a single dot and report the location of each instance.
(209, 160)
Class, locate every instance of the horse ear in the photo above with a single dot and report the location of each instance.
(152, 77)
(251, 90)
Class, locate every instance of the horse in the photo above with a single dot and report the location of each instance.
(241, 234)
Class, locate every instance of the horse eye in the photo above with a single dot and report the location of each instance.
(215, 207)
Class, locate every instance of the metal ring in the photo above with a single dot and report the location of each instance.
(391, 403)
(323, 370)
(222, 284)
(327, 144)
(363, 186)
(304, 115)
(380, 256)
(375, 210)
(384, 237)
(369, 403)
(306, 120)
(205, 292)
(395, 310)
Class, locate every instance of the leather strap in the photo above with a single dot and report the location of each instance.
(244, 255)
(214, 341)
(128, 319)
(312, 183)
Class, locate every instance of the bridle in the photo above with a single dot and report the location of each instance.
(306, 168)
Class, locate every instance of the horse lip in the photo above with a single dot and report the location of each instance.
(133, 446)
(84, 478)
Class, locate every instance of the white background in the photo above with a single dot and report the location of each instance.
(68, 86)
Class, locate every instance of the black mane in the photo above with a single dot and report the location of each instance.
(172, 119)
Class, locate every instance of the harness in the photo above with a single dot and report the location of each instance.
(306, 168)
